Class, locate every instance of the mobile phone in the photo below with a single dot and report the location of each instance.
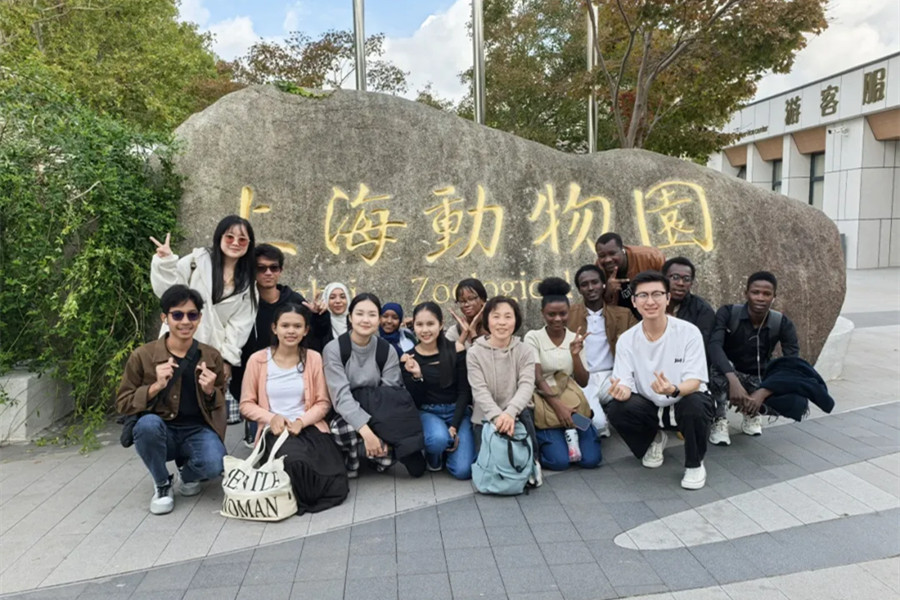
(581, 422)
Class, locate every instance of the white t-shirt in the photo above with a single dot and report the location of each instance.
(597, 353)
(679, 354)
(552, 358)
(284, 387)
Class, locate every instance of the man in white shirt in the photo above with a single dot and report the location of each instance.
(659, 382)
(603, 325)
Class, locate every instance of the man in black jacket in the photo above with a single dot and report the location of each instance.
(269, 266)
(741, 346)
(682, 303)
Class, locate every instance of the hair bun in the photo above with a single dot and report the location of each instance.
(554, 286)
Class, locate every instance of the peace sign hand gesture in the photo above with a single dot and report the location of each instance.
(317, 306)
(162, 249)
(577, 344)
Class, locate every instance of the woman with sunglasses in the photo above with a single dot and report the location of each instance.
(284, 388)
(224, 275)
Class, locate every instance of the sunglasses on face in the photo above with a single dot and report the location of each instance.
(178, 315)
(230, 238)
(264, 268)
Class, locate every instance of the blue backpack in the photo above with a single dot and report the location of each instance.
(504, 463)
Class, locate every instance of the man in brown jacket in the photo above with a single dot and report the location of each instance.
(177, 386)
(602, 325)
(621, 263)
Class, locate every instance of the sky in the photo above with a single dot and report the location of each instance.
(428, 38)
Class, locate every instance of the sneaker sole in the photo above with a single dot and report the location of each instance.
(162, 511)
(190, 493)
(753, 434)
(720, 443)
(652, 464)
(693, 486)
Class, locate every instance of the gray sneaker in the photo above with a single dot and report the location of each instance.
(163, 501)
(718, 434)
(752, 425)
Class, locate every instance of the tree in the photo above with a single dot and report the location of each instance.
(131, 59)
(669, 74)
(324, 63)
(657, 57)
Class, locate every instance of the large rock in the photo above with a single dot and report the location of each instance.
(401, 199)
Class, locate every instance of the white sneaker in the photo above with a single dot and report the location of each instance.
(537, 476)
(190, 488)
(694, 478)
(654, 456)
(752, 425)
(604, 432)
(163, 501)
(718, 434)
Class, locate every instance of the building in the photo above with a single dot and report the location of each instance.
(834, 144)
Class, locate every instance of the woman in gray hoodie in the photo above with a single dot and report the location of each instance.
(501, 374)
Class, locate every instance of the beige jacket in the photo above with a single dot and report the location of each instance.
(502, 379)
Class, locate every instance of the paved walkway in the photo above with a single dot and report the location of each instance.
(823, 495)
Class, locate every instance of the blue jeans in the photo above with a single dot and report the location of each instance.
(436, 419)
(554, 451)
(196, 448)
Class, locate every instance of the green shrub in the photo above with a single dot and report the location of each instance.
(78, 201)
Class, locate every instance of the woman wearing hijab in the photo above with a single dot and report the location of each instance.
(333, 322)
(390, 330)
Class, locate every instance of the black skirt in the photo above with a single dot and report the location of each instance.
(314, 463)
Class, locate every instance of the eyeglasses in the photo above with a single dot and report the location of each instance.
(643, 296)
(178, 315)
(682, 278)
(264, 268)
(463, 301)
(241, 241)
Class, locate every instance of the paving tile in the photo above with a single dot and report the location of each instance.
(644, 592)
(520, 555)
(176, 577)
(758, 589)
(528, 579)
(566, 553)
(878, 477)
(670, 506)
(711, 593)
(433, 586)
(218, 574)
(212, 593)
(477, 583)
(597, 528)
(509, 535)
(372, 544)
(464, 538)
(725, 563)
(887, 571)
(469, 559)
(536, 596)
(158, 595)
(890, 463)
(582, 582)
(555, 532)
(313, 567)
(678, 568)
(764, 552)
(798, 504)
(417, 521)
(372, 566)
(829, 496)
(319, 589)
(421, 562)
(332, 543)
(66, 592)
(693, 529)
(765, 512)
(833, 584)
(383, 588)
(271, 591)
(377, 527)
(623, 567)
(261, 573)
(285, 551)
(729, 519)
(630, 514)
(860, 489)
(425, 540)
(654, 535)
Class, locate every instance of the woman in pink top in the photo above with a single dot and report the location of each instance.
(284, 388)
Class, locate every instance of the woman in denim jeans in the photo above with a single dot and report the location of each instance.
(435, 375)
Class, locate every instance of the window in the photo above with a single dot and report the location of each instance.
(742, 173)
(816, 179)
(776, 176)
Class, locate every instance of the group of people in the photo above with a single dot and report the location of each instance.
(352, 378)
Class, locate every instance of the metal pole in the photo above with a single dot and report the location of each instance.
(359, 35)
(478, 51)
(592, 98)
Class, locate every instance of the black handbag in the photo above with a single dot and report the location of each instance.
(126, 438)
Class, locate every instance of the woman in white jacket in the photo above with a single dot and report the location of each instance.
(225, 277)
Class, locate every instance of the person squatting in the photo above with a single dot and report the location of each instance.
(354, 380)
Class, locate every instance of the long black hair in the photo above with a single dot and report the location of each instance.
(304, 312)
(447, 354)
(244, 270)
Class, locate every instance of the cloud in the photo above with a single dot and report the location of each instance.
(436, 52)
(858, 32)
(233, 37)
(293, 16)
(193, 11)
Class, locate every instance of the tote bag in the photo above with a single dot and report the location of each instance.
(258, 493)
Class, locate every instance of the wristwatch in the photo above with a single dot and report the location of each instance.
(674, 394)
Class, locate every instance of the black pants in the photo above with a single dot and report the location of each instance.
(414, 463)
(637, 420)
(794, 406)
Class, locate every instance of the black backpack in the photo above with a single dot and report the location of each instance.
(381, 352)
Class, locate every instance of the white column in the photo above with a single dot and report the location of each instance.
(759, 171)
(794, 171)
